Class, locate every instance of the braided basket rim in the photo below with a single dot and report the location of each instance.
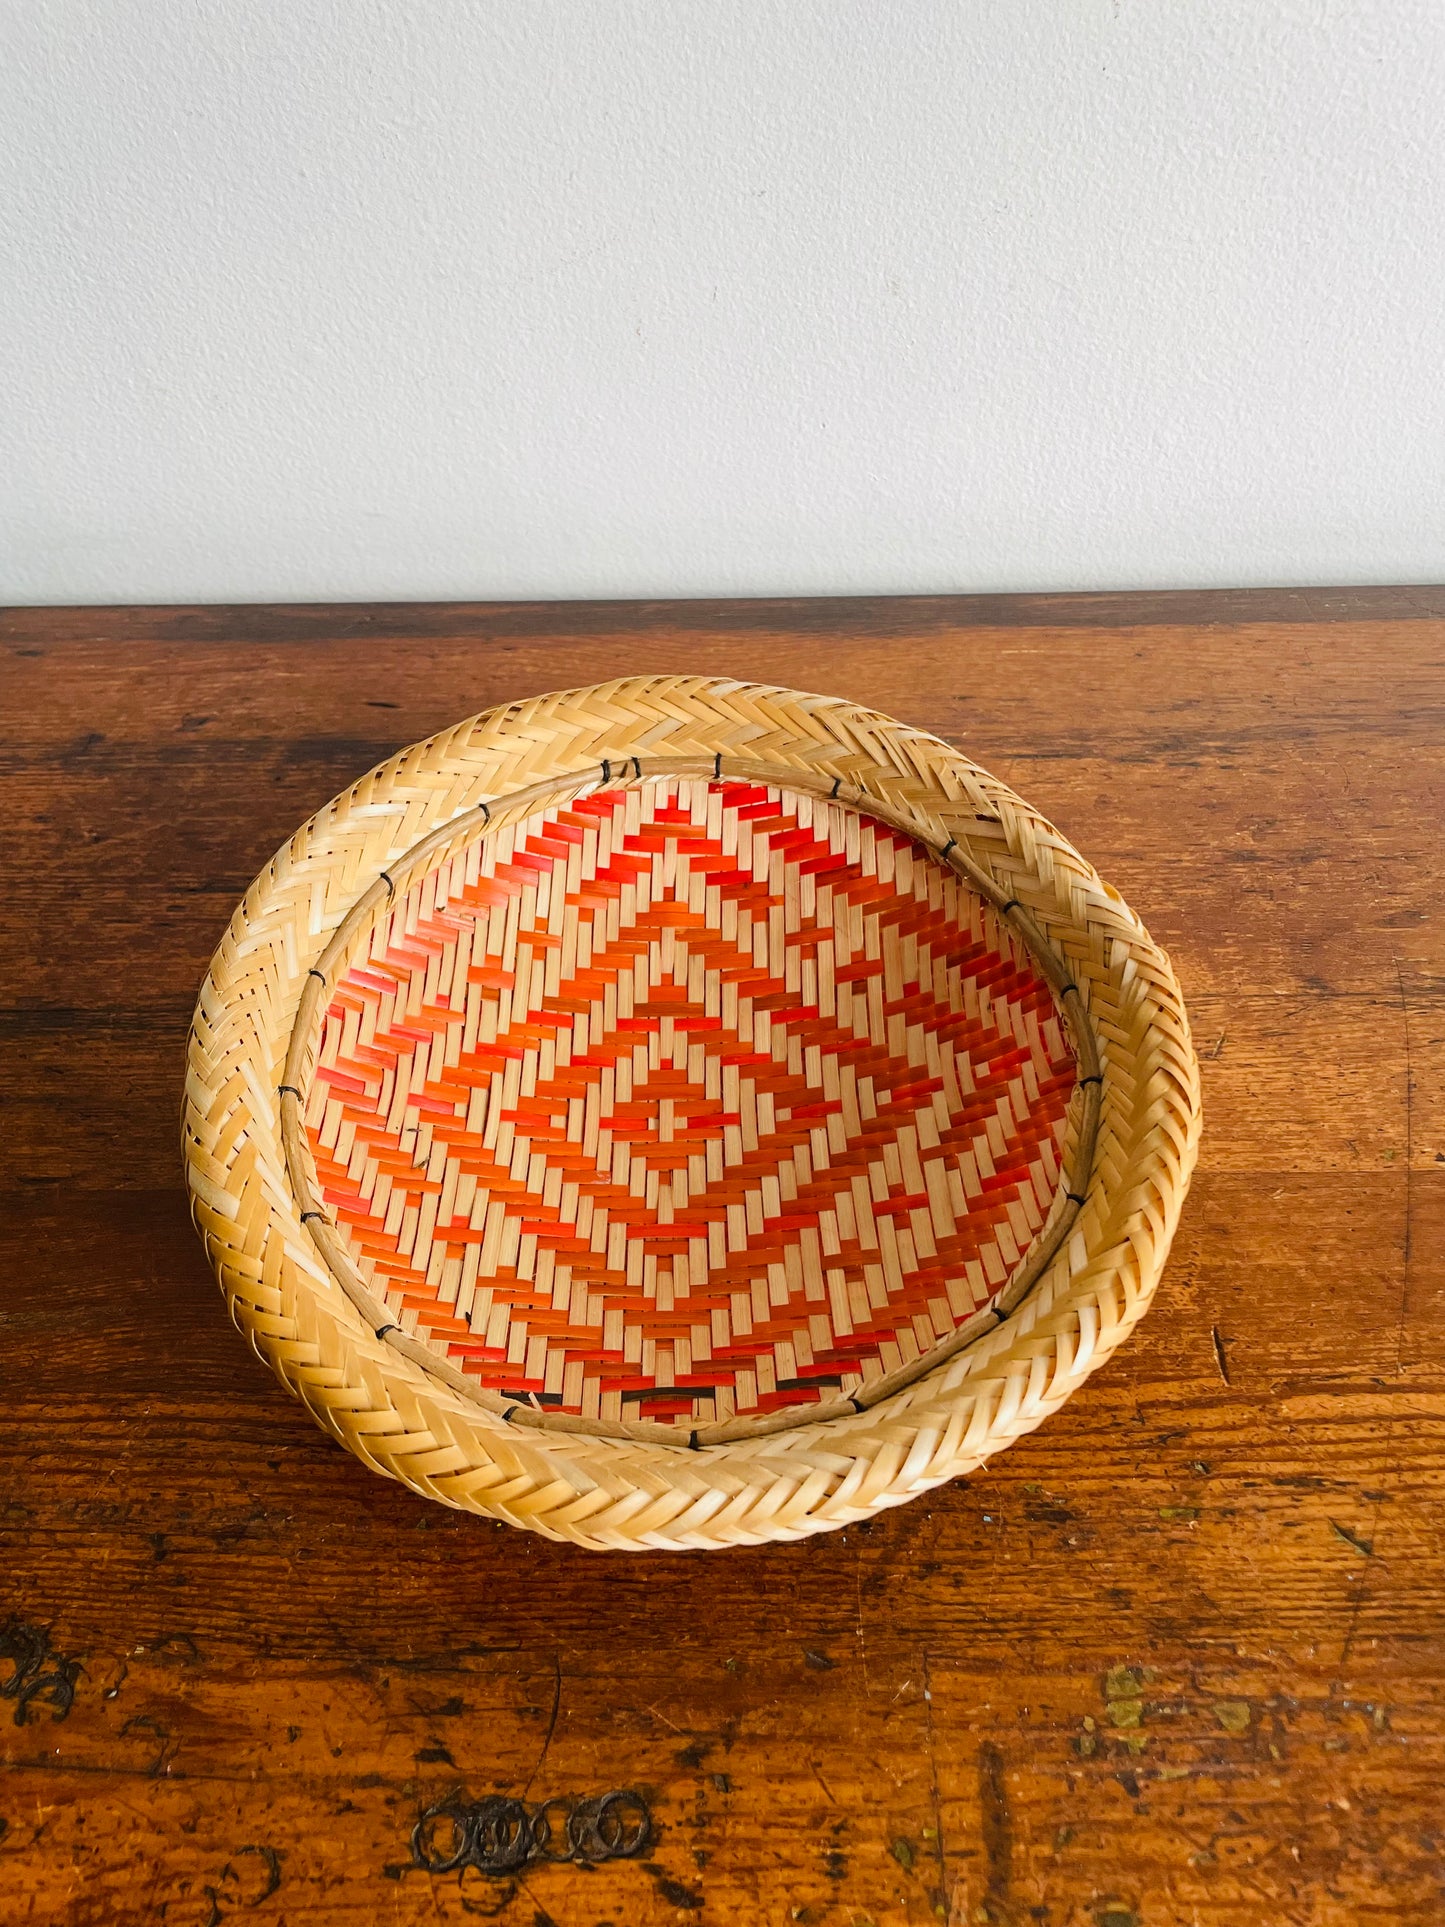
(1134, 1127)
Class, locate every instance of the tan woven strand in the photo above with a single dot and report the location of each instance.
(396, 1402)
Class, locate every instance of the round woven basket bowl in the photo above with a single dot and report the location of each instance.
(684, 1113)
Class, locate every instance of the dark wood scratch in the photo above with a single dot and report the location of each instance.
(166, 1748)
(1366, 1549)
(551, 1723)
(271, 1860)
(933, 1781)
(1409, 1173)
(996, 1828)
(1219, 1358)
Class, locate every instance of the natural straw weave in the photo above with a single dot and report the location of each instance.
(705, 901)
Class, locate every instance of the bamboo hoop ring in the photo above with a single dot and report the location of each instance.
(291, 1273)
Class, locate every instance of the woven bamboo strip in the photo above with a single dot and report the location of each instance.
(291, 1274)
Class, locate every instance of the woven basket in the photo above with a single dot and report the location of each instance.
(684, 1113)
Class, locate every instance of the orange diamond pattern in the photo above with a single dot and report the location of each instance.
(688, 1099)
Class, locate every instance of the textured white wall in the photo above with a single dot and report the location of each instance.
(355, 298)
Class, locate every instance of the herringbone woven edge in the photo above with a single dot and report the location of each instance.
(372, 1393)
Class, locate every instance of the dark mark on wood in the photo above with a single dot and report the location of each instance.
(1220, 1360)
(995, 1825)
(551, 1724)
(181, 1643)
(674, 1892)
(937, 1798)
(38, 1672)
(499, 1836)
(271, 1866)
(167, 1750)
(1407, 1252)
(493, 1904)
(271, 1859)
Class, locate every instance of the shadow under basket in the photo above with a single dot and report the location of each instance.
(684, 1113)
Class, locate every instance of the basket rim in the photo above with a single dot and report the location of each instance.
(1070, 1192)
(653, 1486)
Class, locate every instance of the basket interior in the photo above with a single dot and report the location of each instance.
(688, 1100)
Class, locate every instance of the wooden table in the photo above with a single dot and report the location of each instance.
(1178, 1658)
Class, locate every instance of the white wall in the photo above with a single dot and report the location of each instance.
(433, 298)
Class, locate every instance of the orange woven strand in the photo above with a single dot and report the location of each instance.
(687, 1101)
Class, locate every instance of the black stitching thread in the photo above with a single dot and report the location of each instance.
(509, 1414)
(382, 1330)
(282, 1088)
(390, 886)
(606, 769)
(717, 767)
(859, 1409)
(321, 974)
(1076, 1197)
(305, 1215)
(1064, 989)
(637, 766)
(692, 1444)
(1012, 904)
(1097, 1078)
(486, 812)
(999, 1314)
(837, 785)
(949, 845)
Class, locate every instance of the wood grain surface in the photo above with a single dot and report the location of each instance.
(1176, 1660)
